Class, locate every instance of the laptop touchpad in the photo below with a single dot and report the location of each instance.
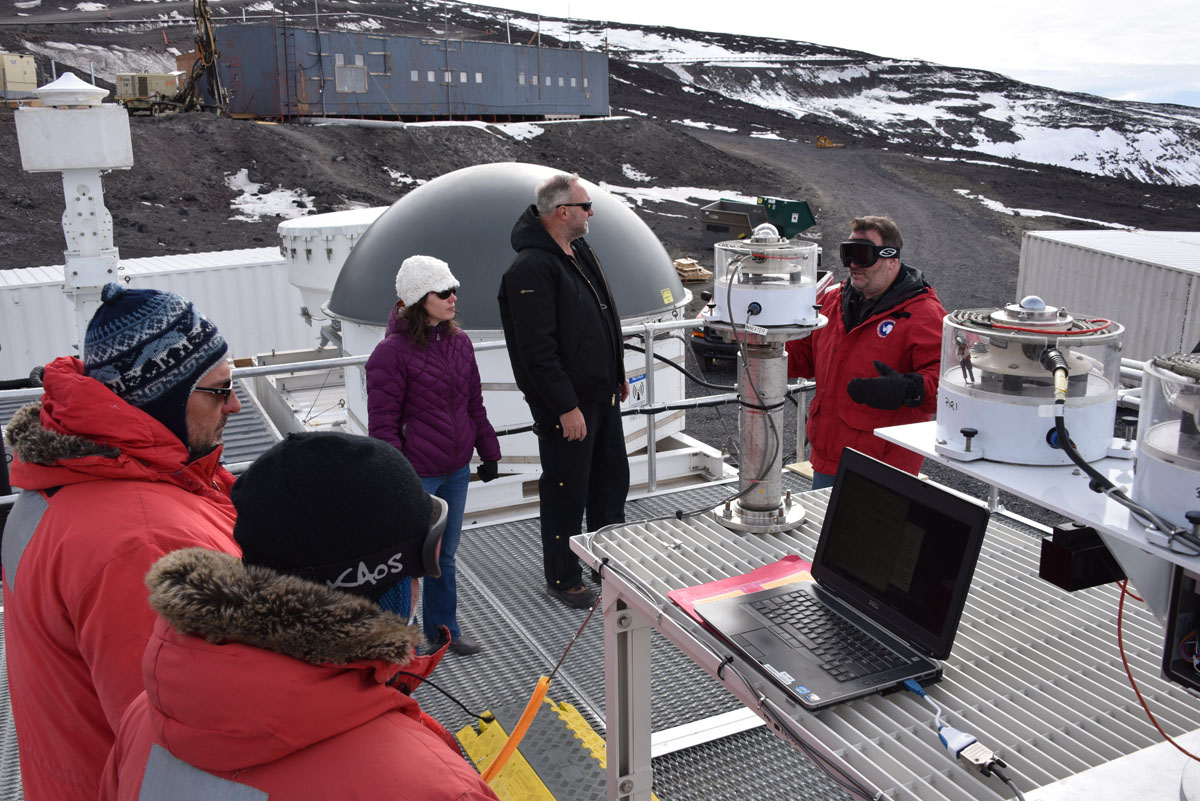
(759, 643)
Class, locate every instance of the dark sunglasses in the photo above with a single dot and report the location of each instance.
(446, 293)
(864, 252)
(224, 392)
(585, 206)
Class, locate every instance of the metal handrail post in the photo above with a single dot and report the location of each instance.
(651, 425)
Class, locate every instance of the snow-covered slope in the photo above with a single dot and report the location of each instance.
(908, 102)
(711, 80)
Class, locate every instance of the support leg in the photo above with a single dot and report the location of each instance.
(627, 701)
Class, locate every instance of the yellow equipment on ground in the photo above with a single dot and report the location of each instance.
(560, 757)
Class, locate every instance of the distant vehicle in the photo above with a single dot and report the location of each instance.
(726, 219)
(709, 345)
(196, 86)
(149, 92)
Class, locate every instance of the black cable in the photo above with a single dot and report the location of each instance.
(427, 680)
(683, 370)
(1053, 360)
(1099, 483)
(1002, 777)
(728, 660)
(648, 410)
(768, 421)
(785, 725)
(582, 626)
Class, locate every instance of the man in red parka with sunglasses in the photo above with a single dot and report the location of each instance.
(876, 362)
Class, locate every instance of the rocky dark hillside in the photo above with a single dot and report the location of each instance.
(684, 124)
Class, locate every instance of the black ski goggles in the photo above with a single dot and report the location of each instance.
(864, 252)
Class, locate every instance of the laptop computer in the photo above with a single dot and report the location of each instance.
(892, 565)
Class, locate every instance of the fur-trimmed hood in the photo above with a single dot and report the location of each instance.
(80, 431)
(217, 597)
(246, 665)
(34, 443)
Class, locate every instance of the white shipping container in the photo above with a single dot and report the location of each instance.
(1149, 281)
(37, 319)
(18, 75)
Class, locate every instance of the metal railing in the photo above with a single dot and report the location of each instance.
(648, 333)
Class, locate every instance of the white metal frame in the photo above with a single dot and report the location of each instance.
(1033, 673)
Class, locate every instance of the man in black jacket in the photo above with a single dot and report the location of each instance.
(564, 341)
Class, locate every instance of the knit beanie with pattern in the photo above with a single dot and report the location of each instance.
(420, 275)
(151, 348)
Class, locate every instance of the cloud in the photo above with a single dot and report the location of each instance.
(1161, 83)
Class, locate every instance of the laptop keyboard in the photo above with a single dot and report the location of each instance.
(847, 652)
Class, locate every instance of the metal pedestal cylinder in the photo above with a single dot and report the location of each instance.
(762, 388)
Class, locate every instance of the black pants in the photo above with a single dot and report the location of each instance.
(591, 474)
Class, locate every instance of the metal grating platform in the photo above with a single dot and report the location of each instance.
(501, 604)
(1049, 697)
(1035, 671)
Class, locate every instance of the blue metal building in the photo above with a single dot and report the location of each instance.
(284, 72)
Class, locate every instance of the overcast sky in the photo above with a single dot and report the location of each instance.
(1143, 50)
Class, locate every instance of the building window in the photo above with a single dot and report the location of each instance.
(414, 75)
(379, 63)
(446, 77)
(585, 82)
(350, 78)
(548, 80)
(479, 77)
(521, 78)
(431, 76)
(462, 77)
(572, 82)
(534, 80)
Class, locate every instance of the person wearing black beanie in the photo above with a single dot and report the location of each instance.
(339, 509)
(280, 671)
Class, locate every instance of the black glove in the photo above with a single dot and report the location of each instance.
(890, 391)
(488, 470)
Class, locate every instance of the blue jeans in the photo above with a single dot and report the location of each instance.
(822, 480)
(439, 596)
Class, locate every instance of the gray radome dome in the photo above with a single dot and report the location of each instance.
(465, 218)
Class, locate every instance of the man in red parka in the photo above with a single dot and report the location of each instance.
(278, 675)
(119, 463)
(877, 361)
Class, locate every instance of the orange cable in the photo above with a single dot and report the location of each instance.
(531, 708)
(1106, 324)
(514, 739)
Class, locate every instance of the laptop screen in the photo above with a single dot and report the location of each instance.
(900, 550)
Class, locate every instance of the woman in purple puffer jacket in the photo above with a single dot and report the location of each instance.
(424, 397)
